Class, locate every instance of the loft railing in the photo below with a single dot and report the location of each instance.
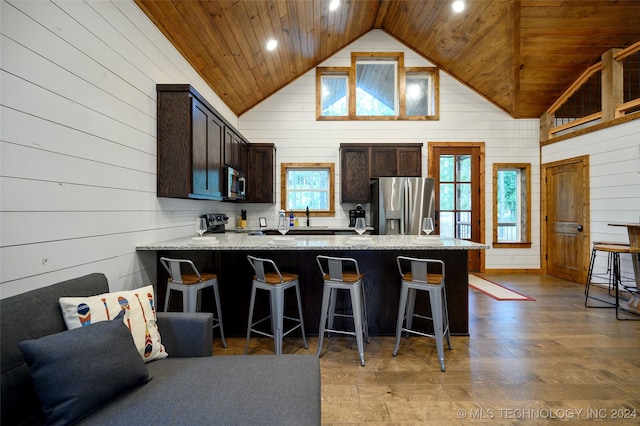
(606, 91)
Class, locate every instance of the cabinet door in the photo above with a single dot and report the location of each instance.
(354, 175)
(261, 175)
(215, 137)
(200, 119)
(207, 151)
(384, 162)
(229, 135)
(410, 162)
(240, 153)
(174, 145)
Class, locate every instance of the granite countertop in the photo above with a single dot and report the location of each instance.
(244, 241)
(299, 229)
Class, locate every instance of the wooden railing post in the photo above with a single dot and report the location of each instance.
(612, 94)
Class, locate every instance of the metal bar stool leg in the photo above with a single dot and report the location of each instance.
(356, 306)
(589, 275)
(411, 305)
(445, 310)
(333, 295)
(277, 317)
(249, 325)
(216, 295)
(304, 337)
(437, 316)
(364, 312)
(402, 312)
(190, 300)
(166, 298)
(323, 316)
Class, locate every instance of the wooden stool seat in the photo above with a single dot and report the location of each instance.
(616, 248)
(432, 279)
(188, 279)
(274, 278)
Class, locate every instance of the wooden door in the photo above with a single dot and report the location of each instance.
(458, 169)
(566, 218)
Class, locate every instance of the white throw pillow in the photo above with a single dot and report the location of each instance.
(140, 316)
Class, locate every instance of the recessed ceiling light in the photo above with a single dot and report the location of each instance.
(272, 44)
(334, 5)
(458, 6)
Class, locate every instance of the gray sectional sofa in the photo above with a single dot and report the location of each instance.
(190, 387)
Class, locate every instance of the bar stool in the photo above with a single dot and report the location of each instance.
(422, 277)
(269, 278)
(612, 250)
(337, 277)
(189, 285)
(612, 256)
(614, 277)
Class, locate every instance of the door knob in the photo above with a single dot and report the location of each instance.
(579, 228)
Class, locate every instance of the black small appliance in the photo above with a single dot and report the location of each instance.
(216, 222)
(356, 213)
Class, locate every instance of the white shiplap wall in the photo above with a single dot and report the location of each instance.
(78, 143)
(614, 178)
(287, 119)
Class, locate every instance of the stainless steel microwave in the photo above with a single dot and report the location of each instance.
(235, 184)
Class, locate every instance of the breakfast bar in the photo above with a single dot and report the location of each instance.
(226, 254)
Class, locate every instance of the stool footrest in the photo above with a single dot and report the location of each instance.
(346, 333)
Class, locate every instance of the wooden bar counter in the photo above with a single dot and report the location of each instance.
(376, 255)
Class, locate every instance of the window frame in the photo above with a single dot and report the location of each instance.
(332, 71)
(401, 85)
(392, 61)
(525, 208)
(285, 167)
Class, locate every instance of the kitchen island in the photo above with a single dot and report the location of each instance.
(226, 254)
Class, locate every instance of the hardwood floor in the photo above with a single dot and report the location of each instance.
(551, 359)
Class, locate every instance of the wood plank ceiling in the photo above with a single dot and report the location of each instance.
(519, 54)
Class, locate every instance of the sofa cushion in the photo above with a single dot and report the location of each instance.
(78, 370)
(221, 390)
(140, 316)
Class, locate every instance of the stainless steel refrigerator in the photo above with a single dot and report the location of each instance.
(398, 204)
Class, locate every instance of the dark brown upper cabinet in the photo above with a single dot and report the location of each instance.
(189, 148)
(261, 177)
(235, 150)
(195, 143)
(361, 162)
(354, 174)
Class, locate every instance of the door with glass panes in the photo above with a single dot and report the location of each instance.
(456, 168)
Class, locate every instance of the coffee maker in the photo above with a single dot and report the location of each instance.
(356, 213)
(216, 222)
